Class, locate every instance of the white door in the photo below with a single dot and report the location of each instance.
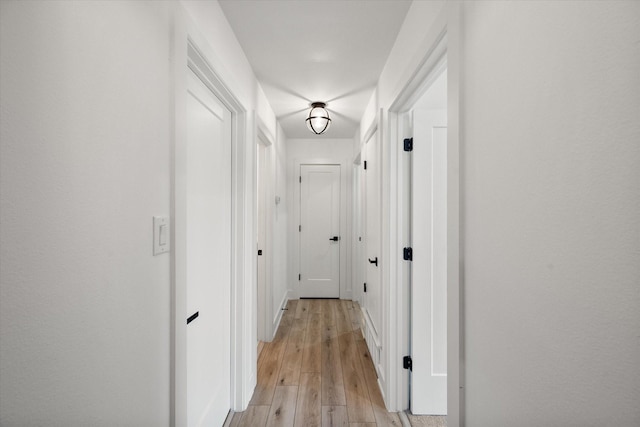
(429, 265)
(261, 241)
(372, 294)
(208, 256)
(319, 231)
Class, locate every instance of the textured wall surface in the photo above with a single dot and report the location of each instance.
(551, 213)
(84, 306)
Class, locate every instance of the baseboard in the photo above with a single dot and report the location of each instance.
(278, 317)
(404, 419)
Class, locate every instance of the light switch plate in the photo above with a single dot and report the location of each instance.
(161, 233)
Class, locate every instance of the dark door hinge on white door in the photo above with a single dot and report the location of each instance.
(408, 144)
(407, 254)
(300, 179)
(299, 277)
(365, 165)
(407, 363)
(365, 287)
(299, 228)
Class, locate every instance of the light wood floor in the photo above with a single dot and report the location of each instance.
(317, 372)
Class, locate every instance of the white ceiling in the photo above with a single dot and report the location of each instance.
(322, 50)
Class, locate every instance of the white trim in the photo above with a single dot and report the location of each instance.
(190, 49)
(278, 316)
(345, 282)
(442, 39)
(404, 419)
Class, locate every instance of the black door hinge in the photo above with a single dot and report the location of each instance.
(407, 363)
(299, 277)
(407, 254)
(365, 287)
(300, 179)
(365, 165)
(259, 252)
(408, 144)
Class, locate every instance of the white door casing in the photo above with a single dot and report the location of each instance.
(429, 265)
(208, 256)
(319, 223)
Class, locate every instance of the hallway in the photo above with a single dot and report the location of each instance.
(102, 299)
(317, 371)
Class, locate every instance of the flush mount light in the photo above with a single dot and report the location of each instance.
(318, 120)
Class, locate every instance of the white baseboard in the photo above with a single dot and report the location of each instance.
(278, 316)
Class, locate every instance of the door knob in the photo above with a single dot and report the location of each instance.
(374, 261)
(334, 238)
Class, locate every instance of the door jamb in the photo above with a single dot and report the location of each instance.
(442, 39)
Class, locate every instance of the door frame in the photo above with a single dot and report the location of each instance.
(345, 232)
(190, 50)
(442, 41)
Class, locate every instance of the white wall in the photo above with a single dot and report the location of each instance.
(551, 213)
(338, 151)
(84, 306)
(280, 289)
(550, 195)
(86, 146)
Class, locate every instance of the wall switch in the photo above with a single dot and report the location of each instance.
(161, 241)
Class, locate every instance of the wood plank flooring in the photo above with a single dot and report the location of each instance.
(318, 372)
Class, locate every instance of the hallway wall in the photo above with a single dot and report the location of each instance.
(550, 195)
(280, 272)
(84, 306)
(86, 153)
(551, 203)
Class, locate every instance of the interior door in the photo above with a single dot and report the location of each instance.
(261, 182)
(429, 265)
(208, 256)
(372, 294)
(319, 231)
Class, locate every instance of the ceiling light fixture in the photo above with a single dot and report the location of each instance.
(318, 120)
